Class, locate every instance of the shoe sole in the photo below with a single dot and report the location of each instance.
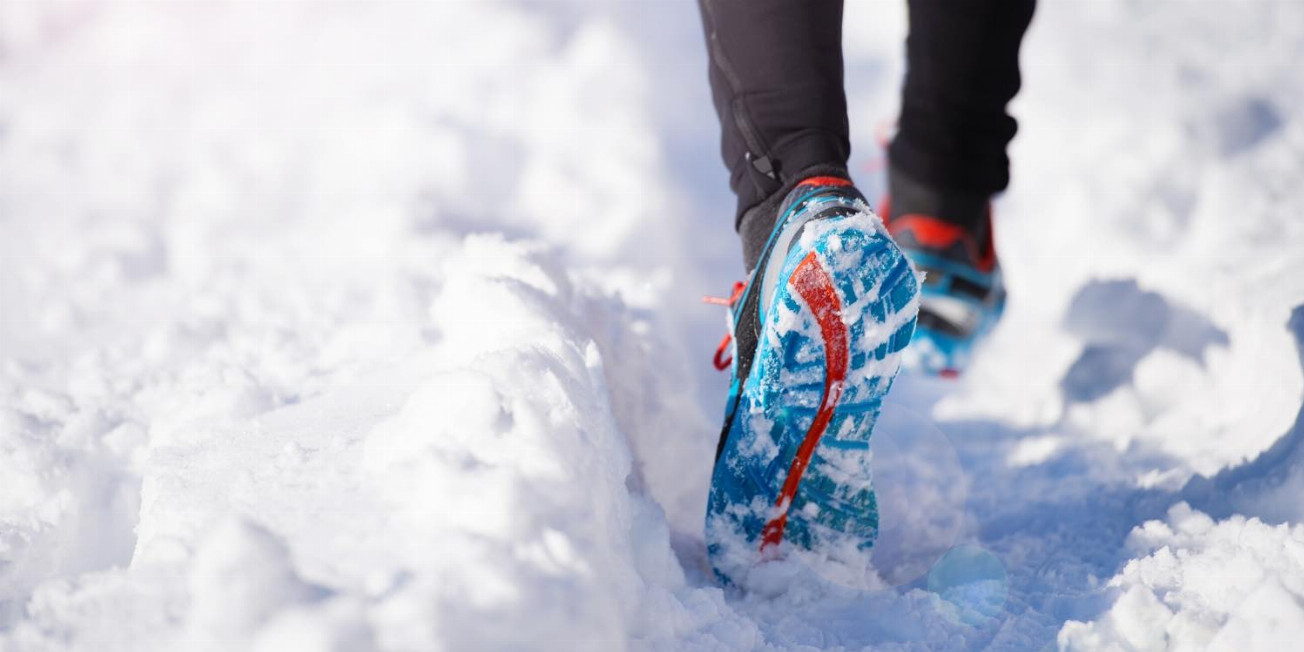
(795, 469)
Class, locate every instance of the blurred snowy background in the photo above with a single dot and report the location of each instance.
(374, 325)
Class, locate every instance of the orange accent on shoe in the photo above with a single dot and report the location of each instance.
(812, 282)
(825, 181)
(738, 288)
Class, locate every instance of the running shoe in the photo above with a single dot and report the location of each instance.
(816, 335)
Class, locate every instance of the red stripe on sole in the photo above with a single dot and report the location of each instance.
(820, 295)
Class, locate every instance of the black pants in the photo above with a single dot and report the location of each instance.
(776, 77)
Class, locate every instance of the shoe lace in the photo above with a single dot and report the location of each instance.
(720, 361)
(884, 131)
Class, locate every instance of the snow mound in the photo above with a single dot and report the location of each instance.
(1236, 584)
(507, 476)
(499, 490)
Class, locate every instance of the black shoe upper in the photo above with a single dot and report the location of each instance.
(757, 222)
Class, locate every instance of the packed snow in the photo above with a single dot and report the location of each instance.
(375, 326)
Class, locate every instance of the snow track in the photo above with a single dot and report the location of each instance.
(349, 326)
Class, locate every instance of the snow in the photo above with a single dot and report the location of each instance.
(1232, 585)
(351, 326)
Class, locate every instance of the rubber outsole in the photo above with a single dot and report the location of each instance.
(795, 469)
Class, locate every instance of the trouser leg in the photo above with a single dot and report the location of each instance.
(776, 79)
(962, 71)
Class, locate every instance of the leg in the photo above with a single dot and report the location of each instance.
(947, 161)
(776, 78)
(820, 327)
(963, 69)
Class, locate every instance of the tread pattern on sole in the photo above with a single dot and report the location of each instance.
(833, 506)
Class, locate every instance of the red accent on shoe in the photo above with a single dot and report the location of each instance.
(929, 231)
(721, 363)
(949, 374)
(987, 260)
(935, 233)
(812, 282)
(825, 181)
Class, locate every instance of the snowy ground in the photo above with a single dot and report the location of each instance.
(349, 326)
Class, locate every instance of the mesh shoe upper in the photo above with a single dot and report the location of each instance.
(963, 294)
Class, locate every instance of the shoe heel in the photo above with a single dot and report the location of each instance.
(796, 471)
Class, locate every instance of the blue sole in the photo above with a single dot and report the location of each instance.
(753, 510)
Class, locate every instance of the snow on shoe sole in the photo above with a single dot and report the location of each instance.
(794, 470)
